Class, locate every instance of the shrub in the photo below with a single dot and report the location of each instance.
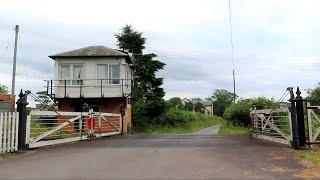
(239, 112)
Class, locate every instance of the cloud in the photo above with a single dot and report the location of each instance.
(275, 42)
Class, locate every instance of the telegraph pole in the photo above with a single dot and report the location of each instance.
(14, 61)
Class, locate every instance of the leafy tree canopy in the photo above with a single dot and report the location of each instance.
(130, 40)
(148, 93)
(313, 95)
(221, 100)
(3, 89)
(175, 103)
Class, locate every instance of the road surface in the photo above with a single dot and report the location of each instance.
(155, 157)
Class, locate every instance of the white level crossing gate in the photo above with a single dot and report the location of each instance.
(313, 123)
(272, 124)
(50, 127)
(9, 123)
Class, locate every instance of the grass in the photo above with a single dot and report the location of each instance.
(188, 127)
(228, 128)
(311, 161)
(312, 155)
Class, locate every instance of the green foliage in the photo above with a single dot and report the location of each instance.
(221, 100)
(188, 106)
(147, 84)
(179, 121)
(148, 94)
(230, 128)
(44, 99)
(314, 95)
(175, 103)
(199, 107)
(130, 40)
(3, 89)
(239, 112)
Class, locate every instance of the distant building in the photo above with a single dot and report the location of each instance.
(7, 103)
(206, 103)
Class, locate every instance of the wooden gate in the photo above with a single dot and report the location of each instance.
(9, 123)
(50, 127)
(272, 124)
(313, 123)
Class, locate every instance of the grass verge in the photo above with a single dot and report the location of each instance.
(187, 127)
(312, 155)
(311, 161)
(228, 128)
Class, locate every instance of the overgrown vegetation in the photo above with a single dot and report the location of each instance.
(239, 113)
(3, 89)
(177, 122)
(232, 128)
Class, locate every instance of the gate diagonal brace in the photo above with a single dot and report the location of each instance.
(54, 129)
(109, 122)
(277, 129)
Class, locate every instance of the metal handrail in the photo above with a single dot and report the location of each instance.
(83, 83)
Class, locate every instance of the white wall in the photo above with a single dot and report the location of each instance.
(89, 74)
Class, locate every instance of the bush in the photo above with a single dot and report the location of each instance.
(239, 113)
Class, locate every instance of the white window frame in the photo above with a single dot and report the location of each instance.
(71, 79)
(109, 79)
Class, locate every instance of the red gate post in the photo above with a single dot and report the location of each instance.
(91, 124)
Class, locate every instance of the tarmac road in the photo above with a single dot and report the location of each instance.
(190, 156)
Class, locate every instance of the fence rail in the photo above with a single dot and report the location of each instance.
(313, 123)
(50, 127)
(9, 123)
(273, 125)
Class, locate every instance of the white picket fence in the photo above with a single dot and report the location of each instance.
(9, 123)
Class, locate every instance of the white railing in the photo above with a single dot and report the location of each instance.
(50, 127)
(313, 123)
(272, 124)
(9, 123)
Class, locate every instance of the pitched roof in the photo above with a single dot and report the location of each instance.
(93, 51)
(203, 102)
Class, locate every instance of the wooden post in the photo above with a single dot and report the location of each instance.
(13, 85)
(122, 111)
(309, 122)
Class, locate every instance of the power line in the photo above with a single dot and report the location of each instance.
(6, 48)
(24, 63)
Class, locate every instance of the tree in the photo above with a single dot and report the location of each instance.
(313, 95)
(147, 87)
(43, 99)
(3, 89)
(199, 107)
(221, 100)
(130, 40)
(175, 103)
(188, 106)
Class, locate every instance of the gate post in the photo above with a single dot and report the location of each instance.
(22, 109)
(294, 143)
(300, 119)
(122, 112)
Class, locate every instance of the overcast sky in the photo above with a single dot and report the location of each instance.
(276, 43)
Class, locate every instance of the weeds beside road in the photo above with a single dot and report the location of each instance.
(229, 128)
(180, 122)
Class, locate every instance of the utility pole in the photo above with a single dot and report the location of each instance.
(231, 42)
(13, 84)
